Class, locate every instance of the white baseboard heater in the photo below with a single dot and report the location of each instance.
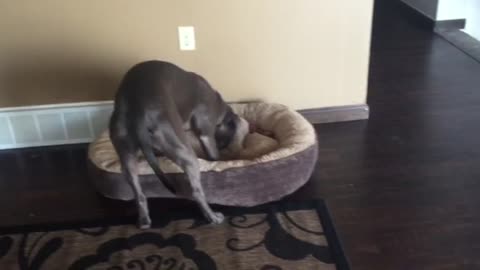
(57, 124)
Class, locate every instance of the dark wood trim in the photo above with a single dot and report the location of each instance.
(422, 20)
(328, 114)
(336, 114)
(416, 16)
(450, 24)
(463, 41)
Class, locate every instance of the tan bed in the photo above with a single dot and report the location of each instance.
(266, 170)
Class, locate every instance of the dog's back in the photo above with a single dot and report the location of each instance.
(148, 86)
(145, 88)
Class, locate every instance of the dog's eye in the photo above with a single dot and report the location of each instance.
(225, 132)
(231, 123)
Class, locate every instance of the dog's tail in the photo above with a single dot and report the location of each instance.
(146, 146)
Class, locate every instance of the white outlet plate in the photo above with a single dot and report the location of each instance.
(186, 38)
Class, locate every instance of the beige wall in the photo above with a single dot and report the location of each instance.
(303, 53)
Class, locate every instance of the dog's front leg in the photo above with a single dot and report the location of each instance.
(187, 160)
(192, 169)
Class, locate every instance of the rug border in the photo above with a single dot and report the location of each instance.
(338, 254)
(333, 239)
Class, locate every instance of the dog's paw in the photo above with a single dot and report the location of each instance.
(144, 223)
(217, 218)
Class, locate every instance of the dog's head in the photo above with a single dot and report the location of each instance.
(231, 131)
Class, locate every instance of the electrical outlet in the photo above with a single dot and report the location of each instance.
(186, 38)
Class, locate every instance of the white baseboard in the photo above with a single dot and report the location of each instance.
(73, 123)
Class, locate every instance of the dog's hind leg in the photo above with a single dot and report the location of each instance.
(146, 145)
(126, 151)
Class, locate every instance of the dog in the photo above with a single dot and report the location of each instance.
(156, 103)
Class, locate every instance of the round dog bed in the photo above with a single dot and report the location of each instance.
(265, 172)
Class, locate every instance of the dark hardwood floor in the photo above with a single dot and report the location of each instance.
(403, 187)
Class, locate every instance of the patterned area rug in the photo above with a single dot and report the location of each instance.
(271, 237)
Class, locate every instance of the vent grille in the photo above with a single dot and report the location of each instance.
(53, 125)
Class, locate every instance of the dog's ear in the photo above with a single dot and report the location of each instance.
(225, 131)
(236, 143)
